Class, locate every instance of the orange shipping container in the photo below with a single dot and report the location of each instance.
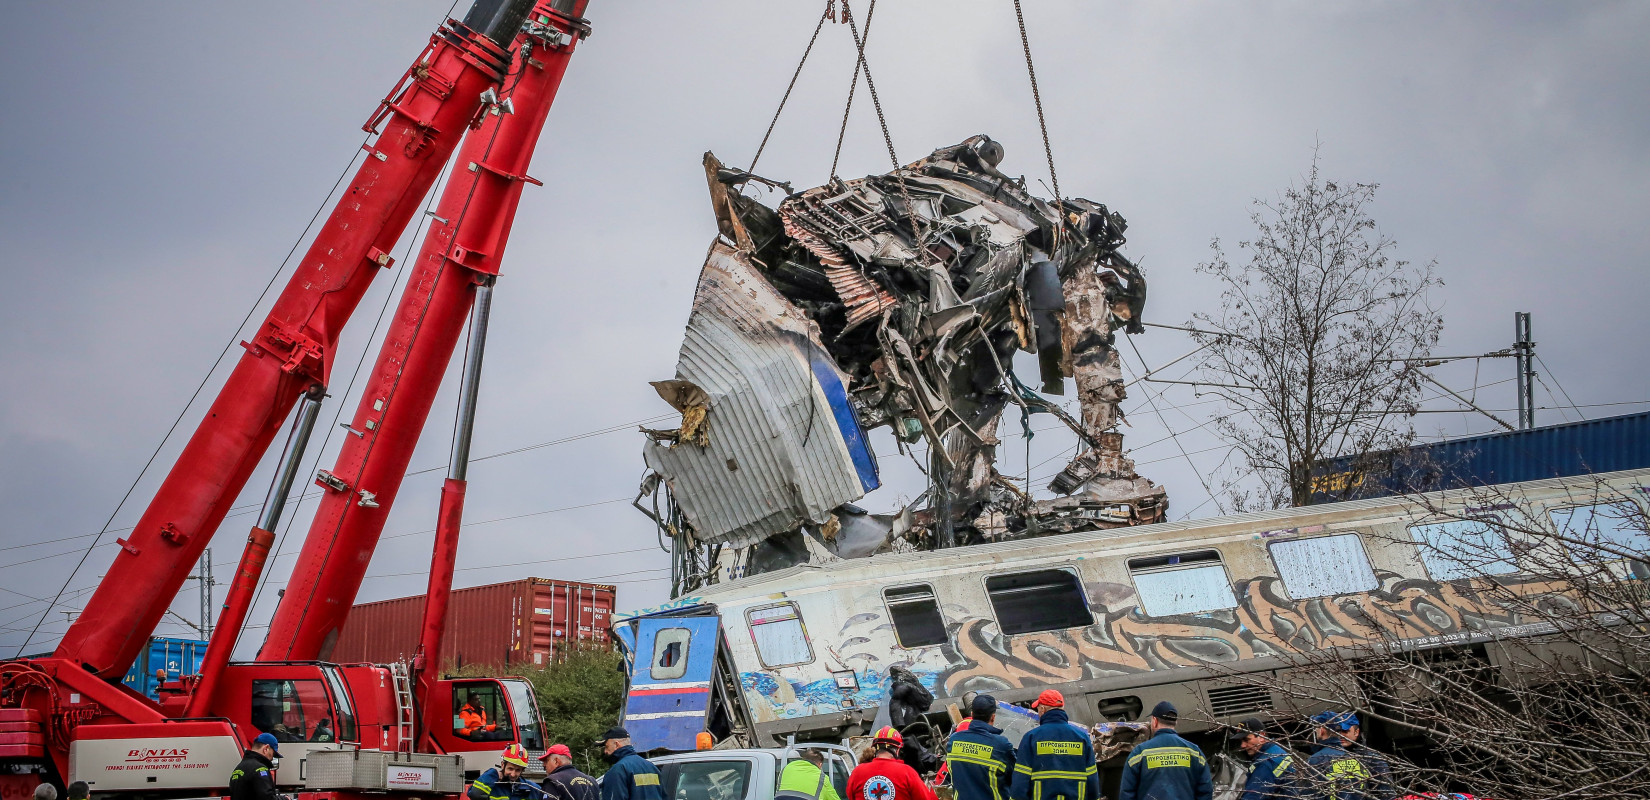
(522, 622)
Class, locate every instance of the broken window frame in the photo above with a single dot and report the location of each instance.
(893, 617)
(677, 668)
(1076, 584)
(1370, 582)
(801, 626)
(1189, 561)
(1442, 565)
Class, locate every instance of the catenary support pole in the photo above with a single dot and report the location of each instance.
(1525, 350)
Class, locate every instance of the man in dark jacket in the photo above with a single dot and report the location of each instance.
(504, 782)
(1272, 771)
(980, 758)
(1055, 759)
(1342, 769)
(631, 777)
(563, 782)
(254, 777)
(1165, 766)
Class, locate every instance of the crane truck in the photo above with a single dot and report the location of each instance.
(482, 87)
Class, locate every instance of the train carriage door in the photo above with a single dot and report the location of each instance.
(670, 681)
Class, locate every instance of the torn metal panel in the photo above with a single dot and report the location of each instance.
(909, 292)
(779, 445)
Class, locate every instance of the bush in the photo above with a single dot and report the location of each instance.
(580, 698)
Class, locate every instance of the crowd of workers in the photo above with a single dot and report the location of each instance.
(1055, 760)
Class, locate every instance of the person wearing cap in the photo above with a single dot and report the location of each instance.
(504, 781)
(1056, 758)
(881, 775)
(254, 777)
(563, 781)
(1343, 769)
(631, 777)
(1272, 772)
(979, 757)
(1165, 766)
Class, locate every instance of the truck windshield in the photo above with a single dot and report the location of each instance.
(527, 714)
(341, 702)
(706, 780)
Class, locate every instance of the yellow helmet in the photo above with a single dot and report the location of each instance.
(515, 754)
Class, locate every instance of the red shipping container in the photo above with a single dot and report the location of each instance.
(522, 622)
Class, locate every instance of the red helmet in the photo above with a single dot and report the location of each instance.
(515, 754)
(889, 736)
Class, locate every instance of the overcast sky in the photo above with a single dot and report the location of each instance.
(157, 160)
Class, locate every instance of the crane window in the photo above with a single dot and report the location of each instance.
(1464, 548)
(293, 710)
(915, 613)
(1183, 583)
(346, 715)
(670, 649)
(1324, 566)
(781, 641)
(1603, 530)
(527, 718)
(1031, 602)
(479, 713)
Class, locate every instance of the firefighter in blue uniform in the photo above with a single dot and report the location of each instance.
(1343, 769)
(979, 757)
(631, 777)
(1056, 758)
(1272, 771)
(504, 782)
(1165, 766)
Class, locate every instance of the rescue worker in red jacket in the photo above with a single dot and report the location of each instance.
(883, 776)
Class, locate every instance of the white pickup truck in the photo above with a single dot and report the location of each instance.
(747, 774)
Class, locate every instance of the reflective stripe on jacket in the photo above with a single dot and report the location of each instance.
(981, 761)
(253, 778)
(1273, 775)
(1166, 767)
(1338, 772)
(1055, 760)
(631, 777)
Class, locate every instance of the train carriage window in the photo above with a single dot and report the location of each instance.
(1030, 602)
(1464, 548)
(1323, 566)
(1605, 528)
(915, 613)
(781, 641)
(670, 648)
(1184, 583)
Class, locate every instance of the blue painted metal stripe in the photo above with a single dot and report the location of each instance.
(657, 703)
(848, 427)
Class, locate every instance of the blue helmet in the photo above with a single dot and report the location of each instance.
(1342, 721)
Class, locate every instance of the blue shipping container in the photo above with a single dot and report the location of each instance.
(1576, 448)
(179, 657)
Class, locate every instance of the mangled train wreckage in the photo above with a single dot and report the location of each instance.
(893, 300)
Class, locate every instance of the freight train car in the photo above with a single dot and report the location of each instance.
(1116, 619)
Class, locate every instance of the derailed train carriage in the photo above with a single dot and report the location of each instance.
(1118, 619)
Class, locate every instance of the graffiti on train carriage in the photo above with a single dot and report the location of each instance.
(1124, 640)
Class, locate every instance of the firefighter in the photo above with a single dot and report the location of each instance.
(1272, 771)
(473, 717)
(631, 777)
(1056, 758)
(1342, 769)
(980, 758)
(563, 781)
(254, 777)
(881, 775)
(1165, 766)
(504, 781)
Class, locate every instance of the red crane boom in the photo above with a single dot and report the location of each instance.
(463, 248)
(293, 350)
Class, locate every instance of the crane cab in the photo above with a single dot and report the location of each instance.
(309, 706)
(476, 718)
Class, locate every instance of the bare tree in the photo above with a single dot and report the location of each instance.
(1543, 688)
(1310, 341)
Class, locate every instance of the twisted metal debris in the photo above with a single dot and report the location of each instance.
(897, 301)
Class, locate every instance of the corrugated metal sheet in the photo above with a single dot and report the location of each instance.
(1578, 448)
(784, 444)
(179, 657)
(517, 623)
